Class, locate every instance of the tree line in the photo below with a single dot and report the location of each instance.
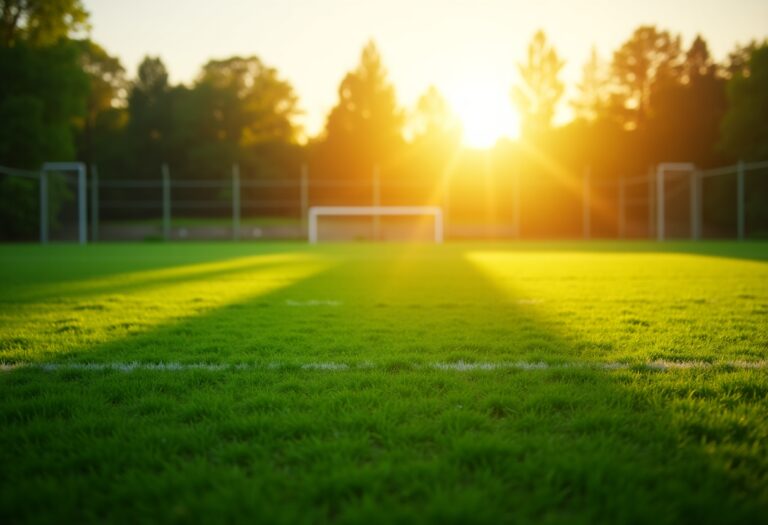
(653, 99)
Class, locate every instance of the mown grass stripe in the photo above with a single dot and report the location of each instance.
(458, 366)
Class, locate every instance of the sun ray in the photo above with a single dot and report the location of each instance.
(573, 182)
(486, 114)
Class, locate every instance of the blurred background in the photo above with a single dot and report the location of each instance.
(202, 121)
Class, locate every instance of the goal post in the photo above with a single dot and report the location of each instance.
(82, 211)
(662, 170)
(52, 194)
(316, 212)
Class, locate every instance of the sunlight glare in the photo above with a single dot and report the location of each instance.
(486, 114)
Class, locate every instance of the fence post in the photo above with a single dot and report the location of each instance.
(94, 203)
(166, 202)
(376, 201)
(438, 226)
(446, 196)
(622, 208)
(312, 226)
(304, 196)
(235, 202)
(516, 203)
(82, 205)
(695, 204)
(43, 207)
(651, 207)
(659, 203)
(586, 205)
(741, 222)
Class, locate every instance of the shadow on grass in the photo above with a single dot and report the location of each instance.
(144, 281)
(26, 273)
(392, 443)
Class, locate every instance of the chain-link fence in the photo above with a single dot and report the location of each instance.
(670, 201)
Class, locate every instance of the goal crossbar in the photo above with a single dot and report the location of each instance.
(375, 211)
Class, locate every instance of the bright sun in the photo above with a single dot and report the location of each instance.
(486, 115)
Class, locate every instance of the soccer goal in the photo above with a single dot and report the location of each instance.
(60, 202)
(316, 212)
(75, 172)
(687, 177)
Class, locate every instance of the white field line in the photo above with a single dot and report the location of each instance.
(456, 366)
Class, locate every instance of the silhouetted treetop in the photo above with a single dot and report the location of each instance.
(152, 77)
(593, 89)
(367, 110)
(108, 83)
(745, 126)
(267, 104)
(433, 118)
(698, 61)
(40, 22)
(537, 96)
(649, 56)
(738, 59)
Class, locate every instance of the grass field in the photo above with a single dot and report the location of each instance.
(463, 383)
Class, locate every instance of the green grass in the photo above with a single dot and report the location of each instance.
(464, 383)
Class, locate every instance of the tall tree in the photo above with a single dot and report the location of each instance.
(593, 94)
(105, 105)
(42, 92)
(436, 135)
(686, 109)
(541, 89)
(238, 110)
(745, 126)
(698, 62)
(40, 22)
(366, 122)
(433, 119)
(267, 104)
(738, 59)
(647, 59)
(43, 89)
(149, 110)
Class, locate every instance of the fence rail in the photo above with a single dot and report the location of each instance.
(665, 183)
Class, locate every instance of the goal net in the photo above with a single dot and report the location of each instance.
(678, 201)
(376, 223)
(47, 204)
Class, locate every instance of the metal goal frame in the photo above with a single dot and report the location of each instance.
(376, 211)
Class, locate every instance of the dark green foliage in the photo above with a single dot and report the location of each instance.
(238, 111)
(20, 206)
(686, 110)
(99, 137)
(645, 61)
(149, 129)
(43, 91)
(745, 126)
(40, 22)
(42, 94)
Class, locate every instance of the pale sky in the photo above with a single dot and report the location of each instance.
(468, 49)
